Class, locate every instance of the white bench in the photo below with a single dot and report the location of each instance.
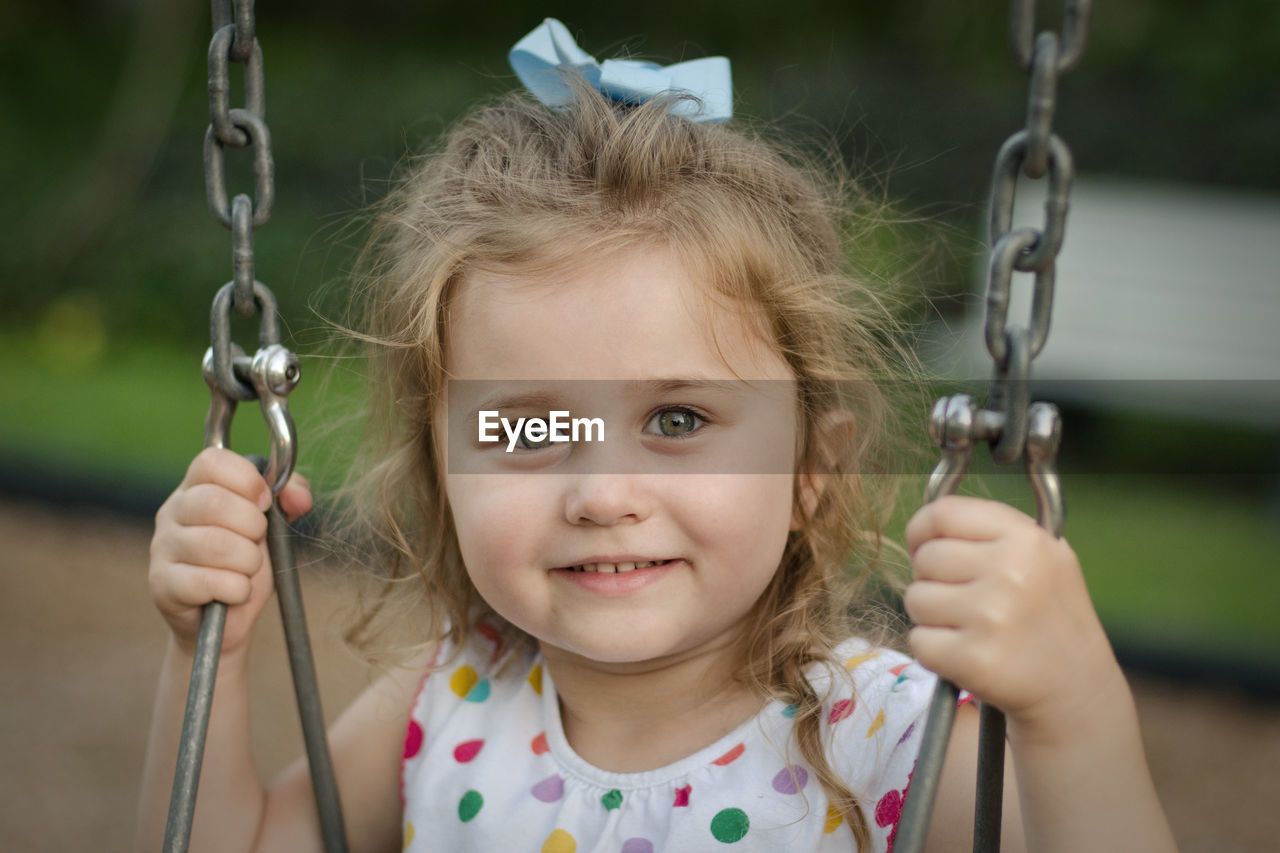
(1167, 300)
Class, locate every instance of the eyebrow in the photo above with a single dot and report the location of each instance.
(526, 400)
(545, 400)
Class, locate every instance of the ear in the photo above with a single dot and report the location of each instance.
(831, 443)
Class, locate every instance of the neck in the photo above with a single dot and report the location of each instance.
(628, 718)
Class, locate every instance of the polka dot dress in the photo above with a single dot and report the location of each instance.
(487, 767)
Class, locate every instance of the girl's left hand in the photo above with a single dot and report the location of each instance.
(1002, 610)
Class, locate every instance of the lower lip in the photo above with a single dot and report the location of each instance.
(617, 584)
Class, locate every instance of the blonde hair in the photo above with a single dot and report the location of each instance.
(514, 178)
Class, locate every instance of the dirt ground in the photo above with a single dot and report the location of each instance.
(81, 646)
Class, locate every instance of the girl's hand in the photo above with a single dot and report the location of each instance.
(210, 545)
(1001, 609)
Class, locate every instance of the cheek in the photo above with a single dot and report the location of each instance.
(494, 517)
(747, 517)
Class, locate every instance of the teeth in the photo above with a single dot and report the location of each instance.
(613, 568)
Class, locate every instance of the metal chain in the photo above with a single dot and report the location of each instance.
(1014, 427)
(232, 376)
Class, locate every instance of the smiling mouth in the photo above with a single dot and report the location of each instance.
(613, 568)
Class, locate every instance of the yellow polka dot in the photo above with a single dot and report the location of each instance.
(858, 660)
(408, 835)
(834, 819)
(462, 680)
(876, 723)
(535, 678)
(559, 841)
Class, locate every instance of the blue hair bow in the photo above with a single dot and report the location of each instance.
(539, 58)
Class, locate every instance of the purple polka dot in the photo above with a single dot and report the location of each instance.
(549, 789)
(637, 845)
(790, 779)
(910, 731)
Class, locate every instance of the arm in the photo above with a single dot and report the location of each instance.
(209, 544)
(1002, 609)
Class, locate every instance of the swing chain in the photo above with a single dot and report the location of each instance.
(242, 127)
(232, 376)
(1013, 426)
(1033, 151)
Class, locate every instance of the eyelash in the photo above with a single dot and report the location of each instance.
(700, 421)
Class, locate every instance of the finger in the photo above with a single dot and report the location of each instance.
(939, 605)
(210, 504)
(196, 586)
(950, 560)
(295, 498)
(215, 547)
(956, 517)
(231, 471)
(933, 647)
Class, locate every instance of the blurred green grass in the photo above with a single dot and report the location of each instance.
(99, 382)
(1180, 564)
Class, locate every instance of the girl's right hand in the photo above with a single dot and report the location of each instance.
(210, 545)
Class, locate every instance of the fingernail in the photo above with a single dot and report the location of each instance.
(264, 501)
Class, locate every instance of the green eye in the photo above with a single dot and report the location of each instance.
(675, 423)
(527, 443)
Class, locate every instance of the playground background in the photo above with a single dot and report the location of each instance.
(109, 258)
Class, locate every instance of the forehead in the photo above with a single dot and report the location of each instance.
(633, 314)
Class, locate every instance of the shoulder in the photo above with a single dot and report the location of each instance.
(874, 710)
(486, 661)
(473, 683)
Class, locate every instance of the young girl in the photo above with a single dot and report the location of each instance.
(642, 640)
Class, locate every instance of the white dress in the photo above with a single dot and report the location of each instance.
(487, 767)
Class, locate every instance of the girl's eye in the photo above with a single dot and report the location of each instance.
(675, 423)
(525, 442)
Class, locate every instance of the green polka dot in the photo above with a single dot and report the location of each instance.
(730, 825)
(612, 800)
(469, 805)
(790, 711)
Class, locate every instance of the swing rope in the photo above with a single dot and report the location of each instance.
(232, 376)
(1013, 426)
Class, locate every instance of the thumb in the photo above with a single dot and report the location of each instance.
(295, 498)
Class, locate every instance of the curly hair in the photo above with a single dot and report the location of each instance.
(516, 184)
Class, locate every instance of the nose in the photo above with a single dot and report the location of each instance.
(606, 500)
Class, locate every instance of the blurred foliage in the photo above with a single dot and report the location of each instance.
(102, 114)
(109, 257)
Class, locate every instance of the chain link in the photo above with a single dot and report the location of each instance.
(234, 40)
(1022, 27)
(1010, 423)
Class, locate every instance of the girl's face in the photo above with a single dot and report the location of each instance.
(688, 496)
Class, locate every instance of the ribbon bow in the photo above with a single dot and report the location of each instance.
(539, 58)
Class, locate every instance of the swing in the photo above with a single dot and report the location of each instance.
(1010, 423)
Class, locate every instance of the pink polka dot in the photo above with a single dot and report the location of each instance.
(539, 744)
(467, 750)
(412, 739)
(840, 711)
(889, 809)
(682, 796)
